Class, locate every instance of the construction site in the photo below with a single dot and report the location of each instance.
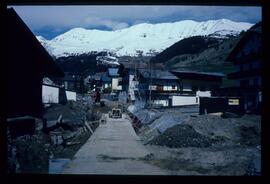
(113, 138)
(194, 108)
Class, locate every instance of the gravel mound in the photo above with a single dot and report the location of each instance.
(182, 136)
(208, 130)
(73, 112)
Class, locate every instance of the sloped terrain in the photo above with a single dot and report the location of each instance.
(148, 38)
(202, 144)
(209, 60)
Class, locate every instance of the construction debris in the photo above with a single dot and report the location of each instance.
(182, 136)
(184, 142)
(64, 129)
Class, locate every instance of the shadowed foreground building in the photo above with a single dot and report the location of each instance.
(27, 64)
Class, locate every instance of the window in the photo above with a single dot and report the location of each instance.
(173, 87)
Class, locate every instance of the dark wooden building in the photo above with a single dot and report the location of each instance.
(71, 81)
(190, 82)
(247, 58)
(27, 63)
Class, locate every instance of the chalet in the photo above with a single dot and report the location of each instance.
(27, 64)
(191, 82)
(155, 85)
(176, 88)
(247, 58)
(158, 80)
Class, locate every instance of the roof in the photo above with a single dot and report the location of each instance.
(157, 74)
(24, 40)
(254, 30)
(113, 72)
(198, 75)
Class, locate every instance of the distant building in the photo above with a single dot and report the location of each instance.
(177, 88)
(27, 64)
(114, 74)
(190, 82)
(53, 93)
(106, 83)
(158, 80)
(71, 82)
(247, 58)
(155, 85)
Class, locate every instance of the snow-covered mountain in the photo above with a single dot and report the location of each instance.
(148, 38)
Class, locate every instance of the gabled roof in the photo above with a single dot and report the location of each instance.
(21, 33)
(157, 74)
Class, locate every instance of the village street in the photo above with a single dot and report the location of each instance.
(114, 148)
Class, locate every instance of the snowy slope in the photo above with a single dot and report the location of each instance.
(144, 37)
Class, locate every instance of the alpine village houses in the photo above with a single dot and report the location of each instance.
(247, 59)
(168, 89)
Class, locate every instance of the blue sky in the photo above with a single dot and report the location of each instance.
(50, 21)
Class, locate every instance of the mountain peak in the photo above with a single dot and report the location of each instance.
(145, 37)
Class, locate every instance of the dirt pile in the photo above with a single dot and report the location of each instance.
(245, 131)
(31, 153)
(210, 145)
(182, 136)
(73, 112)
(207, 130)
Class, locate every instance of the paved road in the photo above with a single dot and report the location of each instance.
(114, 148)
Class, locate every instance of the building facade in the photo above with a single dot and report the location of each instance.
(247, 59)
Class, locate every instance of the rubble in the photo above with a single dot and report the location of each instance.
(212, 129)
(182, 136)
(29, 154)
(184, 142)
(68, 128)
(73, 113)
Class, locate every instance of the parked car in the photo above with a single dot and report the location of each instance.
(115, 113)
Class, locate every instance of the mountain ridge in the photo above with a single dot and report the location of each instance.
(145, 37)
